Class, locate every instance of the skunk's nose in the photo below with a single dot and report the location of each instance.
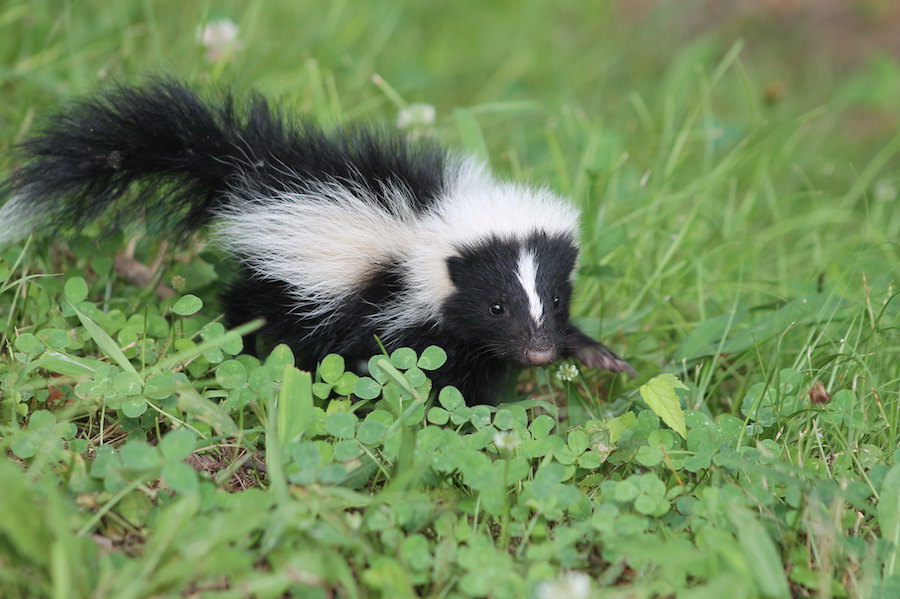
(539, 357)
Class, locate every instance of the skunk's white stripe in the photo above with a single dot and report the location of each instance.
(477, 207)
(526, 272)
(324, 241)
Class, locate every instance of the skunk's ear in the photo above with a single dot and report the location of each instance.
(456, 268)
(593, 353)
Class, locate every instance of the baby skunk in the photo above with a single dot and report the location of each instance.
(340, 237)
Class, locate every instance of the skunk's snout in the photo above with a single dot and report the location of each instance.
(540, 356)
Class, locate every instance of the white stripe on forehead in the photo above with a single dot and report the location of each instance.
(526, 271)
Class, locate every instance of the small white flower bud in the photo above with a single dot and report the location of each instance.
(567, 372)
(219, 37)
(570, 585)
(506, 441)
(416, 115)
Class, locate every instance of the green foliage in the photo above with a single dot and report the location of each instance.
(187, 305)
(659, 393)
(740, 252)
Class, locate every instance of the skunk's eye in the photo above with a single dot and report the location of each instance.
(556, 301)
(497, 309)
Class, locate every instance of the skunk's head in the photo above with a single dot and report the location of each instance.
(511, 296)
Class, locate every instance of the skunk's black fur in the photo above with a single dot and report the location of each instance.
(340, 237)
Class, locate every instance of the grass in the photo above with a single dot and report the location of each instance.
(740, 233)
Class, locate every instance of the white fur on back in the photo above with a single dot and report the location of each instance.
(478, 207)
(324, 242)
(327, 241)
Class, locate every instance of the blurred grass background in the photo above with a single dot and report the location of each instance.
(736, 163)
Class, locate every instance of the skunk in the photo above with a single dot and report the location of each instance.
(341, 238)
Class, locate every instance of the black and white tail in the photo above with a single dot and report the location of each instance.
(162, 150)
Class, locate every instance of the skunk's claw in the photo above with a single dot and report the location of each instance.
(600, 356)
(594, 354)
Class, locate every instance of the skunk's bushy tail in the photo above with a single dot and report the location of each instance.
(161, 151)
(181, 149)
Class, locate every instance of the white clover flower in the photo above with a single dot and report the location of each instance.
(416, 115)
(570, 585)
(219, 37)
(567, 372)
(506, 441)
